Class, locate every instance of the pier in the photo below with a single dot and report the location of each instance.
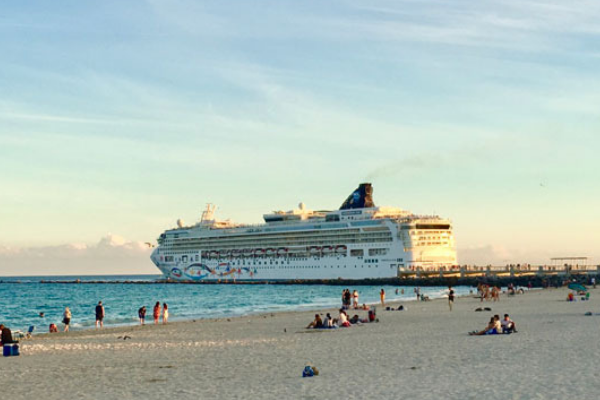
(508, 271)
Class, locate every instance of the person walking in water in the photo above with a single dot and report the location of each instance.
(450, 297)
(67, 318)
(165, 313)
(382, 296)
(99, 315)
(142, 315)
(156, 312)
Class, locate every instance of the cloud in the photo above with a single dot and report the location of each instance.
(113, 254)
(486, 254)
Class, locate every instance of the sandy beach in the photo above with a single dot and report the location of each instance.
(423, 352)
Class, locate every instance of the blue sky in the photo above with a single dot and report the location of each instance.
(121, 117)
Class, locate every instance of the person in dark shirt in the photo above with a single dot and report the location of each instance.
(99, 315)
(142, 315)
(6, 337)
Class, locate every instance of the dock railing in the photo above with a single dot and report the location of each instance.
(464, 271)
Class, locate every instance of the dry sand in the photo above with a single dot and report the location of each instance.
(423, 352)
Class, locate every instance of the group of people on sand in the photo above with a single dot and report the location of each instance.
(67, 316)
(497, 326)
(156, 313)
(342, 321)
(488, 292)
(349, 299)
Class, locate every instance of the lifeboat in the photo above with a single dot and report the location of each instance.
(248, 252)
(341, 249)
(314, 250)
(235, 253)
(271, 252)
(259, 252)
(213, 254)
(327, 249)
(282, 251)
(204, 254)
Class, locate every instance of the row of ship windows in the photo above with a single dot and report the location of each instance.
(353, 253)
(214, 246)
(315, 267)
(281, 237)
(280, 234)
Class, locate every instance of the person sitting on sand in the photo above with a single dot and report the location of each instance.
(508, 326)
(365, 307)
(328, 321)
(490, 329)
(317, 323)
(5, 335)
(343, 319)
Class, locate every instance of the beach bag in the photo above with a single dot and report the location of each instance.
(308, 372)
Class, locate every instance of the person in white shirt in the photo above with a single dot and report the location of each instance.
(508, 326)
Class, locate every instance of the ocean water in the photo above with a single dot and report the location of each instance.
(24, 298)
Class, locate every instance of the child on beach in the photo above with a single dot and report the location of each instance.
(165, 313)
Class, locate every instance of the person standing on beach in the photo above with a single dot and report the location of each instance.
(99, 315)
(142, 315)
(165, 313)
(67, 318)
(355, 297)
(382, 296)
(450, 297)
(156, 312)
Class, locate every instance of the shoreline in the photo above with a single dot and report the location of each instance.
(175, 320)
(534, 280)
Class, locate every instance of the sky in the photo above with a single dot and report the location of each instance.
(118, 118)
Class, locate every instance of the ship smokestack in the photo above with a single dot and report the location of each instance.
(362, 197)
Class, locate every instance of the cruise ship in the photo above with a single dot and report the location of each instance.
(357, 242)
